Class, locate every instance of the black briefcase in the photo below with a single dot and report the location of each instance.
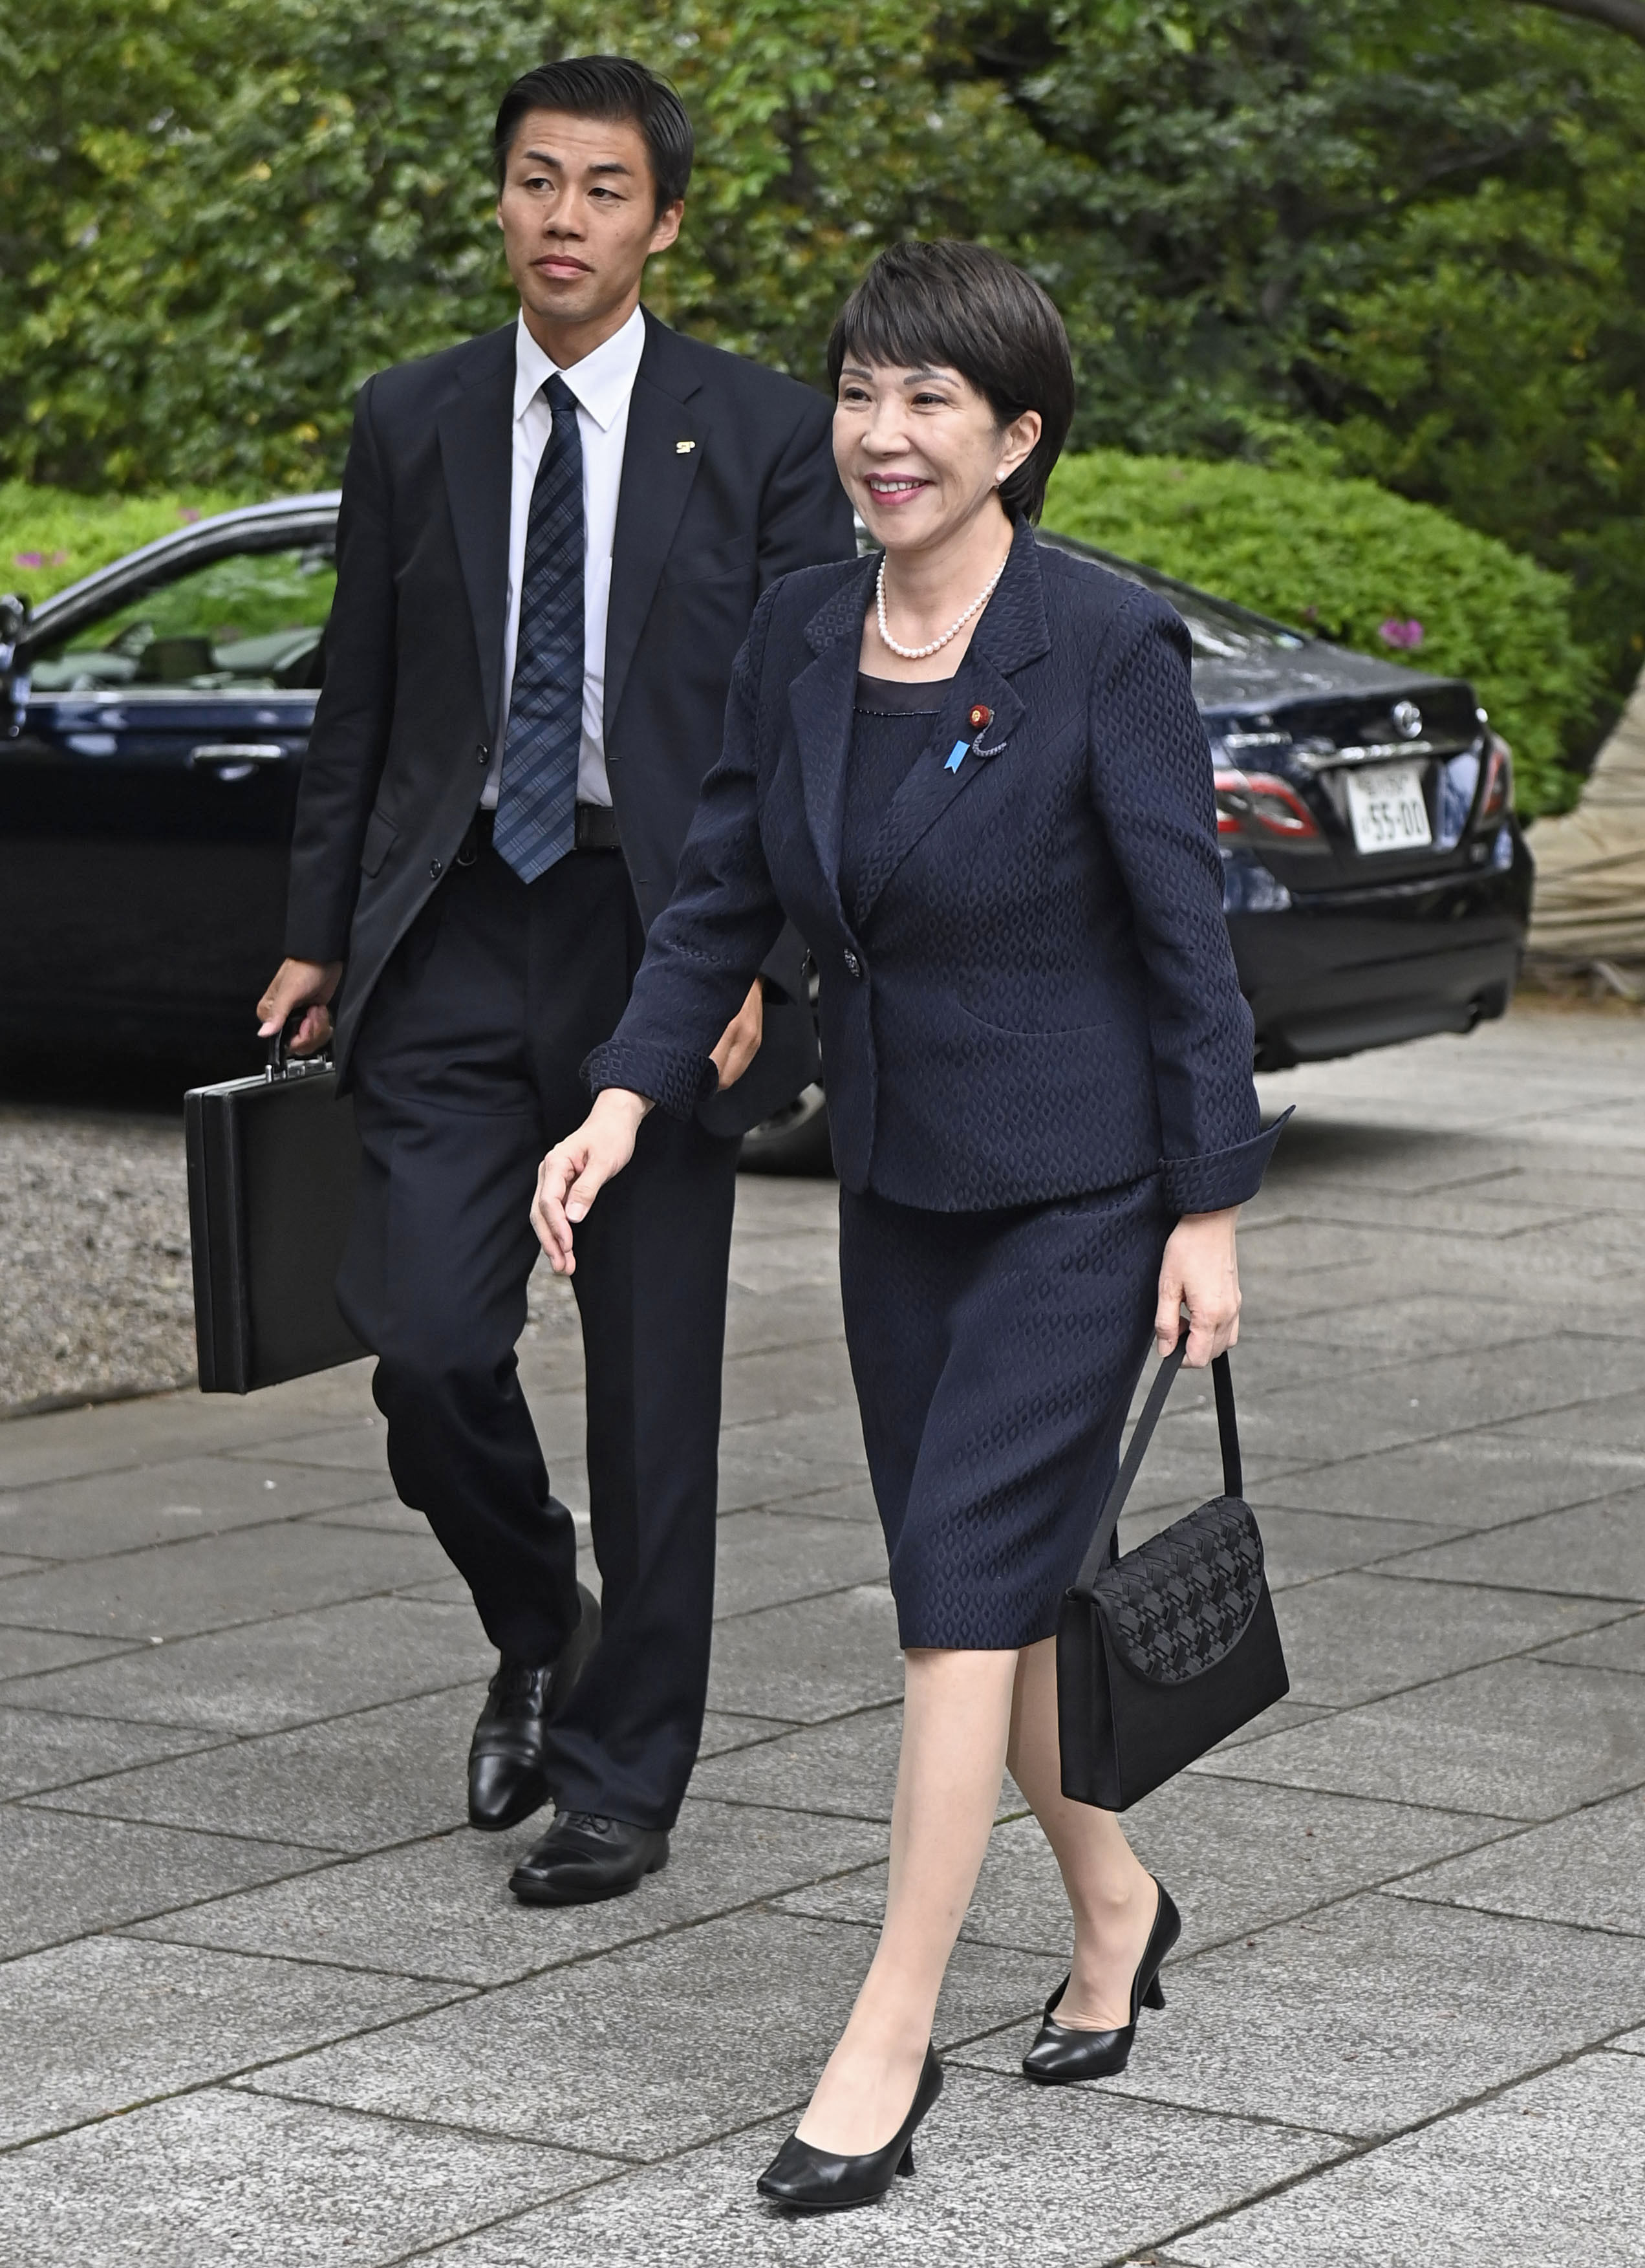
(1165, 1651)
(272, 1167)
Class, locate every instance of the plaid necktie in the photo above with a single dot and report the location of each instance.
(536, 821)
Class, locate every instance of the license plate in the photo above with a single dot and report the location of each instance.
(1387, 809)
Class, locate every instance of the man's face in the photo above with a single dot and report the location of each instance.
(578, 215)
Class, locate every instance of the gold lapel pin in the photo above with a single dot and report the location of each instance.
(684, 448)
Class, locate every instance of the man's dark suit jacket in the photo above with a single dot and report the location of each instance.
(409, 709)
(1037, 995)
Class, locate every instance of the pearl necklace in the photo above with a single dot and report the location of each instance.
(919, 652)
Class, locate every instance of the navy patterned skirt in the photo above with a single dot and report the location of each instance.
(994, 1356)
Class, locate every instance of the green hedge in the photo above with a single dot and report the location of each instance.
(51, 537)
(1345, 557)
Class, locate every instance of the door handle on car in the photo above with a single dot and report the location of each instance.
(236, 759)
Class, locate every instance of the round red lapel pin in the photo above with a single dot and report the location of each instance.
(981, 718)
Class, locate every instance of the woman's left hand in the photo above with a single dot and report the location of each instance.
(1199, 1271)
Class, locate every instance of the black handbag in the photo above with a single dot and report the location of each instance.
(1164, 1652)
(272, 1167)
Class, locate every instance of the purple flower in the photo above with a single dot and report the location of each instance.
(28, 558)
(188, 512)
(1407, 635)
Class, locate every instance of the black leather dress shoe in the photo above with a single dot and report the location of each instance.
(508, 1777)
(1063, 2053)
(583, 1858)
(808, 2180)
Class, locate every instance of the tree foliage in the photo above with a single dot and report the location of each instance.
(1346, 235)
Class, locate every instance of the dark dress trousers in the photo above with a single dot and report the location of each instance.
(470, 999)
(1035, 1052)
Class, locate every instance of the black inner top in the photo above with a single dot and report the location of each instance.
(892, 729)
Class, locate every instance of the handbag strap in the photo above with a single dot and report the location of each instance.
(1226, 1434)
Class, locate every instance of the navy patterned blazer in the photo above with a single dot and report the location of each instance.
(1038, 999)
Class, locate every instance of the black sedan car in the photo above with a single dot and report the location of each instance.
(153, 720)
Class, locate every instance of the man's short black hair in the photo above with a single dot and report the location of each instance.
(609, 87)
(960, 307)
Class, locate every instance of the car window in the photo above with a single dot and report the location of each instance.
(249, 622)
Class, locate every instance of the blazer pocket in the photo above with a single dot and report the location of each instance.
(735, 554)
(380, 837)
(1072, 1020)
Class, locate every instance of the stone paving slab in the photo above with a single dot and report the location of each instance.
(1587, 1868)
(441, 1908)
(1552, 2171)
(1618, 1646)
(23, 1652)
(39, 1751)
(359, 1782)
(811, 1661)
(644, 2052)
(1369, 2015)
(769, 1559)
(62, 1874)
(223, 2176)
(1003, 2172)
(1527, 1739)
(110, 2022)
(129, 1436)
(1408, 1633)
(278, 1673)
(1481, 1480)
(845, 1769)
(210, 1583)
(85, 1518)
(1595, 1550)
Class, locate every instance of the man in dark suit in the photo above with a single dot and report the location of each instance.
(551, 542)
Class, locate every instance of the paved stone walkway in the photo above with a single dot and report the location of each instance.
(266, 1999)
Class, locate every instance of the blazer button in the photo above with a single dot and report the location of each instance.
(854, 966)
(434, 869)
(482, 754)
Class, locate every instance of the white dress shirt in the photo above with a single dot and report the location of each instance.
(602, 383)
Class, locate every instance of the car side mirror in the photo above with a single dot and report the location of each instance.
(14, 615)
(13, 620)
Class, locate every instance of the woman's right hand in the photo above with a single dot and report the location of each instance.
(576, 1170)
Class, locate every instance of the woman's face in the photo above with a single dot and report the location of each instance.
(920, 452)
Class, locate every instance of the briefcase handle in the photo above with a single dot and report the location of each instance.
(1228, 1436)
(279, 1065)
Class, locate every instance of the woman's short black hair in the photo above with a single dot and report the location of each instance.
(960, 307)
(608, 87)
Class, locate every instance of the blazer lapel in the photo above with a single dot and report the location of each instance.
(931, 788)
(822, 701)
(656, 479)
(1013, 632)
(476, 432)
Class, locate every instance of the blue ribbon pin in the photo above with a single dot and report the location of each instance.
(980, 719)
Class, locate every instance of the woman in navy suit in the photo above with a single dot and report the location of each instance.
(971, 772)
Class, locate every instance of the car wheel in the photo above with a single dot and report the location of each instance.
(792, 1141)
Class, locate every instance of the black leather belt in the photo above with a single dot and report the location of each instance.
(596, 830)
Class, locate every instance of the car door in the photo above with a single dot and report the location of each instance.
(147, 792)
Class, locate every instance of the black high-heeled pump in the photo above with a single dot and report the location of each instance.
(809, 2180)
(1062, 2053)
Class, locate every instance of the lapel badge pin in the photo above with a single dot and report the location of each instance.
(684, 448)
(980, 718)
